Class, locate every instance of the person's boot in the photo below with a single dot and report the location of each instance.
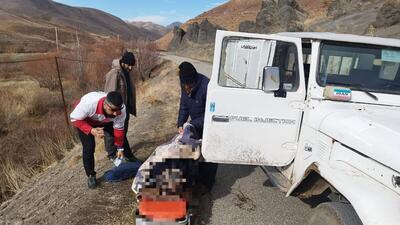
(91, 181)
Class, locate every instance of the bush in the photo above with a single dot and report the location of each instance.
(44, 72)
(147, 58)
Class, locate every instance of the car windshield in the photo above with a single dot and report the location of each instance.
(369, 68)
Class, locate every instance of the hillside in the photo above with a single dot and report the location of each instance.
(60, 195)
(156, 29)
(196, 37)
(173, 25)
(28, 25)
(228, 16)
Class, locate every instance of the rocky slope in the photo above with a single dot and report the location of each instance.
(227, 16)
(362, 17)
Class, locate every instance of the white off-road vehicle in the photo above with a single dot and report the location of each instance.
(320, 112)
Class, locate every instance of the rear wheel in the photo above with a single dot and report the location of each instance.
(334, 213)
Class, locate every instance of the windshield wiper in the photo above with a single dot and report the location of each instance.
(366, 92)
(355, 87)
(391, 83)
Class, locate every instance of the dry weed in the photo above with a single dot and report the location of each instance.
(44, 72)
(147, 58)
(8, 109)
(48, 151)
(43, 101)
(14, 175)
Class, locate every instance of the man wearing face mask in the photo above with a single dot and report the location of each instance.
(119, 79)
(95, 115)
(193, 104)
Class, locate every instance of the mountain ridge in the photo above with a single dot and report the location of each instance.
(28, 25)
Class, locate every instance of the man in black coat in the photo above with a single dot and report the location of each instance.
(119, 79)
(193, 104)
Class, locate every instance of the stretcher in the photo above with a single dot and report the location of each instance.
(164, 182)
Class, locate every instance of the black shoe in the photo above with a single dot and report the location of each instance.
(91, 181)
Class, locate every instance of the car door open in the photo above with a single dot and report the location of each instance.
(252, 113)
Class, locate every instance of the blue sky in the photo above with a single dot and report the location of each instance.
(162, 12)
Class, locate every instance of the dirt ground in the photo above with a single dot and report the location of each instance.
(60, 195)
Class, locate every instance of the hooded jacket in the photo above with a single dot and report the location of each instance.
(115, 81)
(194, 105)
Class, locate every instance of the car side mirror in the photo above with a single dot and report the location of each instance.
(271, 79)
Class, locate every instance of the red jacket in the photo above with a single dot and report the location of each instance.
(88, 112)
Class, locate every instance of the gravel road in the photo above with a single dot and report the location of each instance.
(243, 194)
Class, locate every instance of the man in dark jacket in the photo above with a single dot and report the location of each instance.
(119, 79)
(193, 104)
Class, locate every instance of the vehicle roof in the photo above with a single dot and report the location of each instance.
(351, 38)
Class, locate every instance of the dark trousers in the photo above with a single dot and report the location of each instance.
(109, 142)
(207, 171)
(89, 145)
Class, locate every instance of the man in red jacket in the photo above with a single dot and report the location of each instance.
(98, 113)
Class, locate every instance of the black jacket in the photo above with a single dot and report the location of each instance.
(194, 105)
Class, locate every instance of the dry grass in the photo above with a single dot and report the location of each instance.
(32, 134)
(9, 114)
(33, 129)
(43, 101)
(14, 175)
(48, 152)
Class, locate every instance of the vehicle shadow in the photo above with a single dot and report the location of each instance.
(225, 179)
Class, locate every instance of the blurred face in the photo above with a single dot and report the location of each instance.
(111, 111)
(188, 88)
(127, 67)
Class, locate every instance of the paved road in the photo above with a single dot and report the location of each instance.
(201, 67)
(243, 195)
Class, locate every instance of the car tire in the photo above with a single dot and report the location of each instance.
(334, 213)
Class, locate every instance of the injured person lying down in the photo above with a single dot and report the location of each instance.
(167, 177)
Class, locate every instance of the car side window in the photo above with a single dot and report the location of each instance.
(243, 61)
(285, 58)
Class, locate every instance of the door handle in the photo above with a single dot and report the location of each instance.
(222, 119)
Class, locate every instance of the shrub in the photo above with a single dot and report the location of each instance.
(147, 58)
(44, 71)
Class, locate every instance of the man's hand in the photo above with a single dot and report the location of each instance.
(180, 130)
(98, 132)
(120, 154)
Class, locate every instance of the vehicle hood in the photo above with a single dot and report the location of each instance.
(372, 132)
